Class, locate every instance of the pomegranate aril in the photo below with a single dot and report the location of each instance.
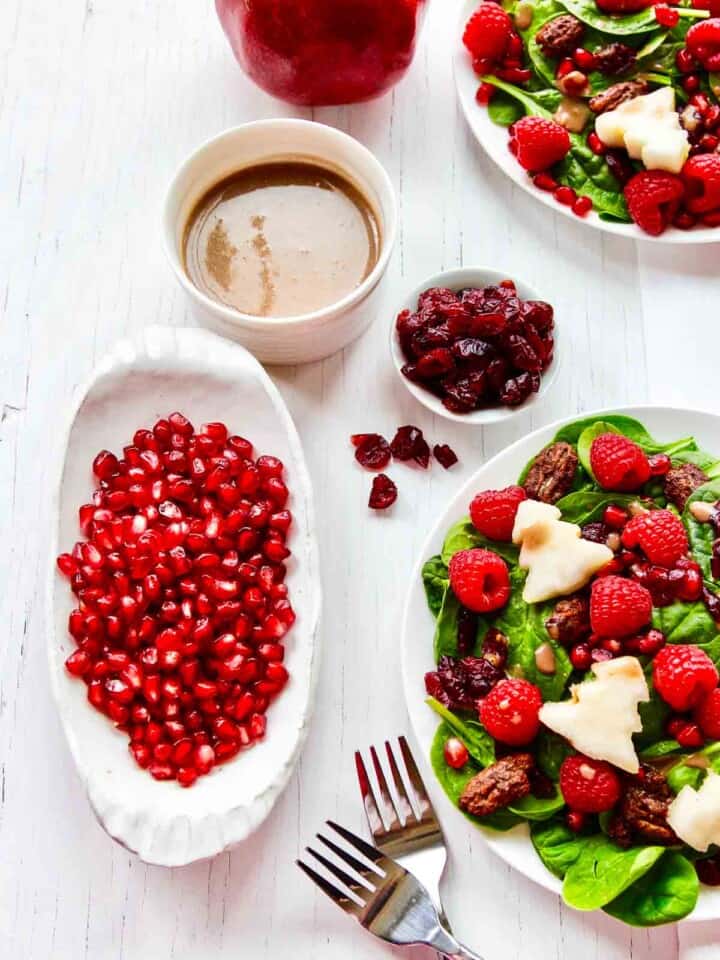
(78, 663)
(186, 776)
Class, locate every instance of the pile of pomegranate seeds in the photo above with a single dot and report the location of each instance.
(182, 606)
(477, 348)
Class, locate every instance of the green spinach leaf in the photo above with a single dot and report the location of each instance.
(463, 536)
(603, 871)
(588, 505)
(556, 845)
(435, 581)
(454, 782)
(663, 748)
(478, 741)
(537, 809)
(702, 535)
(685, 623)
(524, 626)
(445, 642)
(588, 173)
(550, 751)
(667, 893)
(642, 22)
(504, 109)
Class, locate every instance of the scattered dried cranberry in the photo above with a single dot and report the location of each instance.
(383, 493)
(409, 444)
(459, 684)
(445, 455)
(708, 871)
(371, 450)
(477, 348)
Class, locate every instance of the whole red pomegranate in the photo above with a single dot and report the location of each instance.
(323, 51)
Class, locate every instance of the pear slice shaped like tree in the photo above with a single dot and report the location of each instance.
(553, 552)
(694, 815)
(602, 714)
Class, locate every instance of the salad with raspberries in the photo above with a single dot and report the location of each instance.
(611, 105)
(577, 644)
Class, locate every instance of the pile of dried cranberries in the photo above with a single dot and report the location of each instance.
(181, 602)
(478, 347)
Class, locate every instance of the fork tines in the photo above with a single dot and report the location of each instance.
(360, 884)
(391, 812)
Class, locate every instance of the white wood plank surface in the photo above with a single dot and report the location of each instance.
(99, 101)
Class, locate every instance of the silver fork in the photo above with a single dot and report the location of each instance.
(409, 832)
(381, 894)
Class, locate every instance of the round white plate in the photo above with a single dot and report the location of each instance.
(207, 378)
(665, 423)
(494, 140)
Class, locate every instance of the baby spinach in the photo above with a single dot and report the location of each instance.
(478, 741)
(663, 748)
(588, 173)
(628, 426)
(714, 84)
(445, 642)
(556, 845)
(454, 782)
(685, 623)
(603, 871)
(642, 22)
(535, 103)
(524, 626)
(683, 775)
(705, 461)
(667, 893)
(702, 535)
(504, 109)
(463, 536)
(653, 716)
(585, 506)
(550, 751)
(538, 809)
(435, 581)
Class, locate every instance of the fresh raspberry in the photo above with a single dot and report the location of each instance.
(707, 715)
(487, 32)
(683, 675)
(619, 607)
(623, 6)
(660, 534)
(538, 143)
(493, 512)
(589, 786)
(618, 463)
(455, 753)
(479, 579)
(701, 175)
(509, 712)
(703, 42)
(653, 198)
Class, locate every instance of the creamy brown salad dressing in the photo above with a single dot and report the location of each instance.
(280, 239)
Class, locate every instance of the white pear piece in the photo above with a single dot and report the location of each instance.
(602, 714)
(649, 128)
(557, 559)
(694, 815)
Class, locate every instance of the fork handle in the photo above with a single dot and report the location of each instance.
(448, 947)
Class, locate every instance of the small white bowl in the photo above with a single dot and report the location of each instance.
(456, 280)
(308, 336)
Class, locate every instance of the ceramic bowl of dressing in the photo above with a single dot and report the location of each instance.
(290, 289)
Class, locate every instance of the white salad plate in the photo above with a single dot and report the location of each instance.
(207, 378)
(418, 627)
(494, 140)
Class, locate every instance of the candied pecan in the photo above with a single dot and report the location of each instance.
(641, 816)
(498, 785)
(570, 620)
(681, 481)
(615, 59)
(618, 93)
(551, 475)
(495, 648)
(560, 36)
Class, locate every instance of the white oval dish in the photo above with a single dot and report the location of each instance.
(206, 378)
(494, 140)
(418, 626)
(308, 336)
(455, 280)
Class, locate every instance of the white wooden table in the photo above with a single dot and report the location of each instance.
(99, 101)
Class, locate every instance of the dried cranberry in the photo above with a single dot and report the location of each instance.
(708, 871)
(521, 354)
(383, 493)
(409, 444)
(371, 450)
(444, 455)
(459, 684)
(467, 626)
(477, 354)
(516, 390)
(620, 166)
(435, 363)
(539, 314)
(595, 532)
